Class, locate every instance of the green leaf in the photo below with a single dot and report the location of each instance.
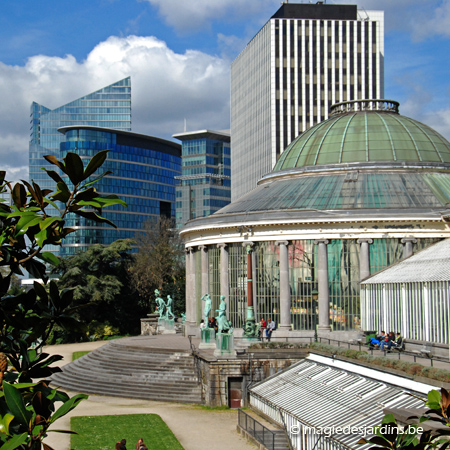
(62, 192)
(4, 423)
(92, 216)
(19, 195)
(50, 202)
(53, 160)
(40, 238)
(16, 441)
(108, 172)
(68, 406)
(434, 397)
(87, 194)
(48, 221)
(74, 168)
(16, 405)
(97, 160)
(50, 258)
(26, 222)
(389, 418)
(53, 175)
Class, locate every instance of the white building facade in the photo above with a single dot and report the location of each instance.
(305, 58)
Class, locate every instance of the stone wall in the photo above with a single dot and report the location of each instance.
(215, 374)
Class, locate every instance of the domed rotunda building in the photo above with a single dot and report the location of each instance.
(349, 197)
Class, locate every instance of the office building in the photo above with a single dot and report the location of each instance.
(204, 186)
(108, 107)
(305, 58)
(143, 175)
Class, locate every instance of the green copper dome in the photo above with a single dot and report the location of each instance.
(365, 131)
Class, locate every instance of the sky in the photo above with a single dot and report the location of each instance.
(178, 54)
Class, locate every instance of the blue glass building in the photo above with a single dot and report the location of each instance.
(204, 186)
(144, 170)
(109, 107)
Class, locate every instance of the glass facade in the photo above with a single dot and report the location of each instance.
(204, 186)
(144, 171)
(109, 107)
(343, 279)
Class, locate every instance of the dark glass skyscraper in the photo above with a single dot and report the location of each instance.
(204, 186)
(143, 175)
(109, 107)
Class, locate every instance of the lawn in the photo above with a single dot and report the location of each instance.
(102, 432)
(76, 355)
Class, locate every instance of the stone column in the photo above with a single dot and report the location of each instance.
(364, 258)
(224, 286)
(190, 289)
(324, 294)
(205, 272)
(285, 292)
(408, 243)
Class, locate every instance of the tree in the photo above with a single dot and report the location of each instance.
(101, 279)
(27, 408)
(160, 263)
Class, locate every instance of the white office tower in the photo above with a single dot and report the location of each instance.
(305, 58)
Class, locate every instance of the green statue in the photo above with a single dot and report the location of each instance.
(160, 302)
(222, 322)
(207, 299)
(169, 308)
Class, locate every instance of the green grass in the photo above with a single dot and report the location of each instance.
(102, 432)
(76, 355)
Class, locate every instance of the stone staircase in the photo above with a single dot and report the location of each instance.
(121, 369)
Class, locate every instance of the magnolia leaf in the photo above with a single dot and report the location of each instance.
(95, 217)
(26, 222)
(53, 175)
(50, 258)
(48, 221)
(62, 194)
(108, 172)
(97, 160)
(15, 442)
(53, 160)
(87, 194)
(15, 403)
(41, 237)
(4, 423)
(74, 168)
(68, 406)
(19, 195)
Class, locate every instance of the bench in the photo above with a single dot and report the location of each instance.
(427, 350)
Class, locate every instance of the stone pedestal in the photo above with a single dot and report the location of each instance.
(224, 345)
(208, 338)
(169, 326)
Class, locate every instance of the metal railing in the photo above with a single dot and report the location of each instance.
(194, 353)
(256, 429)
(423, 359)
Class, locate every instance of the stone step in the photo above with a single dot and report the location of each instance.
(131, 385)
(122, 369)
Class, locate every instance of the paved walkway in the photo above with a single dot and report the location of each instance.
(195, 428)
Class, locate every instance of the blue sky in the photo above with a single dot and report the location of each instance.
(178, 54)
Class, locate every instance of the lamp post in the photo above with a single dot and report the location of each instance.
(250, 322)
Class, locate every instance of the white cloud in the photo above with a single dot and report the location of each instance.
(192, 15)
(167, 87)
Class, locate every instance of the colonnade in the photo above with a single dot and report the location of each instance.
(285, 296)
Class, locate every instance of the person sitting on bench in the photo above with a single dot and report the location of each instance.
(270, 328)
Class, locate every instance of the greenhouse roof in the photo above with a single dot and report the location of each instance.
(365, 130)
(351, 190)
(431, 264)
(322, 396)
